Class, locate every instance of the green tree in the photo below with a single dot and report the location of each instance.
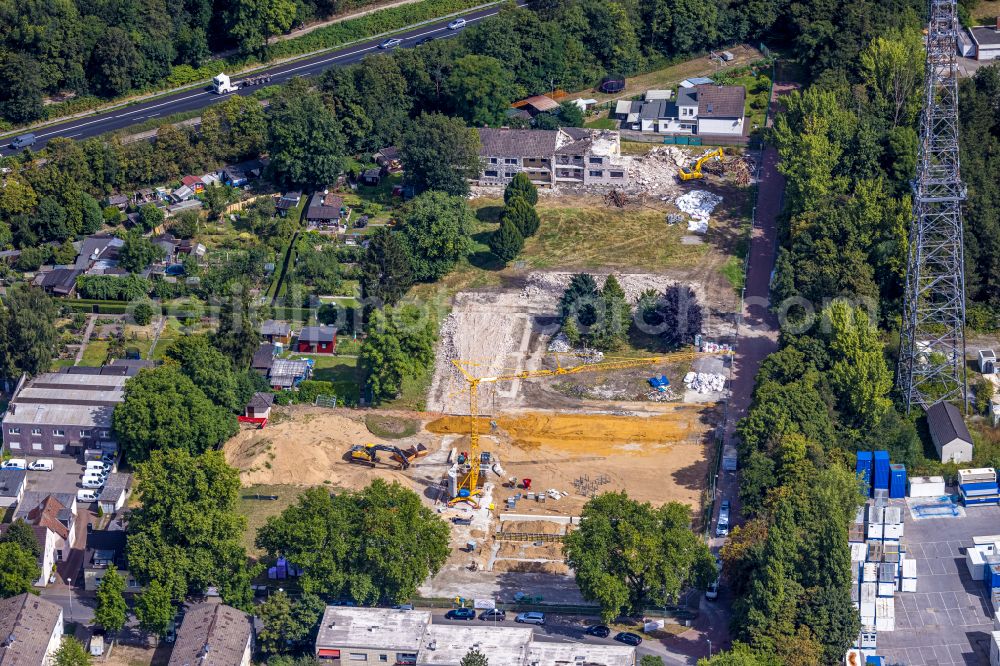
(571, 115)
(238, 334)
(111, 612)
(520, 186)
(506, 242)
(440, 153)
(218, 198)
(138, 252)
(71, 652)
(253, 22)
(211, 371)
(400, 343)
(27, 331)
(481, 89)
(386, 270)
(22, 101)
(142, 313)
(892, 70)
(236, 129)
(983, 394)
(651, 660)
(154, 609)
(436, 228)
(18, 569)
(163, 409)
(187, 532)
(627, 554)
(580, 301)
(612, 326)
(375, 545)
(64, 254)
(21, 533)
(474, 658)
(307, 145)
(150, 217)
(860, 375)
(523, 215)
(681, 315)
(288, 625)
(92, 218)
(50, 221)
(740, 655)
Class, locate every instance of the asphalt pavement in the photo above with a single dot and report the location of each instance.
(191, 100)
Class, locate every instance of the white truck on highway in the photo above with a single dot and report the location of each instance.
(221, 84)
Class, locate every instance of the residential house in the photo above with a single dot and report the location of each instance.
(389, 158)
(317, 340)
(182, 193)
(703, 109)
(327, 211)
(259, 406)
(287, 202)
(31, 630)
(263, 359)
(949, 433)
(194, 182)
(62, 413)
(286, 374)
(371, 177)
(720, 109)
(115, 492)
(569, 155)
(106, 549)
(238, 175)
(12, 482)
(119, 201)
(98, 254)
(58, 281)
(987, 41)
(410, 638)
(276, 332)
(213, 634)
(54, 518)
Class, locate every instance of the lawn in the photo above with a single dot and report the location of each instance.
(343, 372)
(602, 123)
(95, 353)
(258, 511)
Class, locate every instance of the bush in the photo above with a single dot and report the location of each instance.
(311, 388)
(142, 313)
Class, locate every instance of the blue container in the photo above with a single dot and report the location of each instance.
(863, 468)
(897, 481)
(991, 576)
(875, 661)
(880, 470)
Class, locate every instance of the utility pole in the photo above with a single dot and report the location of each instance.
(932, 340)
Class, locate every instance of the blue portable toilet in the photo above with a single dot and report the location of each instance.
(863, 468)
(897, 481)
(880, 470)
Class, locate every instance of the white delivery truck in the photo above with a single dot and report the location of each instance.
(222, 85)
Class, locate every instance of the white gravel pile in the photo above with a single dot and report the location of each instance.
(704, 382)
(699, 204)
(560, 344)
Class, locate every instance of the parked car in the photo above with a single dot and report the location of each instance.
(599, 630)
(457, 24)
(99, 465)
(15, 463)
(712, 593)
(91, 474)
(493, 615)
(23, 141)
(45, 465)
(530, 618)
(628, 638)
(390, 43)
(461, 614)
(722, 527)
(92, 482)
(87, 495)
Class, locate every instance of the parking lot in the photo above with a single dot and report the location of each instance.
(949, 619)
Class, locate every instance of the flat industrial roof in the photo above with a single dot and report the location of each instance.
(505, 646)
(560, 654)
(97, 416)
(985, 35)
(373, 628)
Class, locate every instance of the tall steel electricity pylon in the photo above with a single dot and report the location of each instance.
(932, 341)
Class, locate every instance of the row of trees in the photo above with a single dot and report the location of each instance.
(518, 220)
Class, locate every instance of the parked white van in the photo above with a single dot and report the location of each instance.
(44, 465)
(97, 465)
(92, 482)
(15, 463)
(87, 495)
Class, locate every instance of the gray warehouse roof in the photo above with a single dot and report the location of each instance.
(374, 628)
(505, 646)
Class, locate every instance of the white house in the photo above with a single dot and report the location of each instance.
(32, 630)
(53, 517)
(948, 431)
(987, 41)
(699, 109)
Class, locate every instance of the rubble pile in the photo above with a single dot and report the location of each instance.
(699, 204)
(704, 382)
(560, 344)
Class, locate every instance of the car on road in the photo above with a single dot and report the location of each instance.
(461, 614)
(530, 618)
(44, 465)
(628, 638)
(493, 615)
(457, 24)
(599, 630)
(722, 527)
(425, 40)
(390, 43)
(712, 593)
(23, 141)
(15, 463)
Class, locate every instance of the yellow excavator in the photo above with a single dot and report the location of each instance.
(367, 454)
(696, 173)
(467, 486)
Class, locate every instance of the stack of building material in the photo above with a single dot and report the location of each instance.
(978, 486)
(885, 614)
(856, 530)
(887, 579)
(868, 595)
(897, 481)
(975, 560)
(991, 579)
(926, 486)
(908, 575)
(859, 552)
(875, 522)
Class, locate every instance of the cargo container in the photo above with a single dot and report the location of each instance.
(975, 561)
(874, 551)
(991, 576)
(870, 573)
(868, 640)
(858, 551)
(876, 531)
(885, 615)
(863, 468)
(868, 593)
(880, 470)
(926, 486)
(892, 532)
(897, 481)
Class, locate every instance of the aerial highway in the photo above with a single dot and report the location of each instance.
(194, 99)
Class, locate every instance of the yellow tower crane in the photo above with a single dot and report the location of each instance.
(468, 485)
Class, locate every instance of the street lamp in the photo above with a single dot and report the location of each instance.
(69, 581)
(709, 647)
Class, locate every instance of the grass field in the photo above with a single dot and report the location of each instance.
(343, 372)
(258, 511)
(986, 9)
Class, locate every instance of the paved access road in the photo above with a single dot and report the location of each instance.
(191, 100)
